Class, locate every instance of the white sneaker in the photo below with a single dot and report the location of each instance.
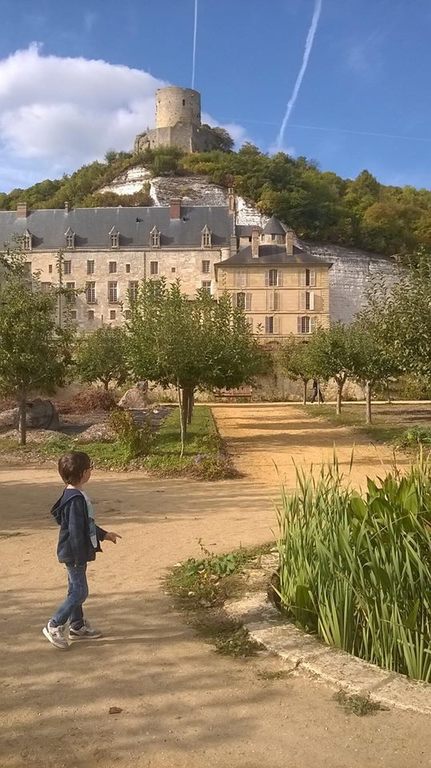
(55, 635)
(86, 632)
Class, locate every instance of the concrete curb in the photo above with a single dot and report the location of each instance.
(337, 668)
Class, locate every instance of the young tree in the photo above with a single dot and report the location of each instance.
(331, 356)
(101, 356)
(295, 360)
(34, 352)
(190, 344)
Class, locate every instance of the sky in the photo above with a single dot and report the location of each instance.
(343, 82)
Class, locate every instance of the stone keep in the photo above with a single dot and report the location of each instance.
(178, 123)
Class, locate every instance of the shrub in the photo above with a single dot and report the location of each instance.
(357, 569)
(414, 437)
(213, 468)
(135, 440)
(91, 399)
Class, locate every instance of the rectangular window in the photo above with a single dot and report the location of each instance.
(273, 301)
(154, 268)
(127, 314)
(112, 314)
(67, 267)
(205, 266)
(304, 325)
(90, 267)
(112, 293)
(70, 295)
(273, 277)
(310, 277)
(127, 268)
(241, 279)
(50, 269)
(173, 269)
(133, 290)
(73, 314)
(206, 286)
(242, 300)
(309, 300)
(112, 268)
(269, 325)
(90, 314)
(90, 293)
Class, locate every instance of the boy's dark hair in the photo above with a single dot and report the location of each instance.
(71, 466)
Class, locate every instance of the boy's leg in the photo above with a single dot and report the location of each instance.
(76, 595)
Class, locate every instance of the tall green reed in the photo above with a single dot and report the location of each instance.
(356, 568)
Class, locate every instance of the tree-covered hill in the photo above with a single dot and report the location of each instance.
(318, 205)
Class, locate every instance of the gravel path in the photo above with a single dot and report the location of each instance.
(182, 704)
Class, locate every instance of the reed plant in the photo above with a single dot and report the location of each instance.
(356, 568)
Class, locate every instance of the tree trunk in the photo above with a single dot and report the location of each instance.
(340, 386)
(368, 419)
(304, 395)
(23, 419)
(190, 405)
(183, 422)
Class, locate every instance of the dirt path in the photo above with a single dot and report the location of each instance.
(267, 440)
(182, 704)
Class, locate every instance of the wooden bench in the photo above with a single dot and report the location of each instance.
(240, 392)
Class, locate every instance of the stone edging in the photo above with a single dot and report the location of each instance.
(337, 668)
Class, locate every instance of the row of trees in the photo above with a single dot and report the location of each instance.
(170, 339)
(391, 336)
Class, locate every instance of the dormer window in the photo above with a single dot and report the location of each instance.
(155, 238)
(206, 237)
(27, 240)
(70, 238)
(114, 237)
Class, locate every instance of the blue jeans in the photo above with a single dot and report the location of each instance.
(77, 593)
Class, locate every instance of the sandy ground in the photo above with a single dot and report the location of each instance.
(182, 704)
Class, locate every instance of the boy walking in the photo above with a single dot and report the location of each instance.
(78, 541)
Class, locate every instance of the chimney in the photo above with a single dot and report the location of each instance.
(233, 244)
(232, 200)
(66, 207)
(255, 237)
(175, 208)
(21, 210)
(289, 242)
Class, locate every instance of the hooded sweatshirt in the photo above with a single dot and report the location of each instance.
(74, 542)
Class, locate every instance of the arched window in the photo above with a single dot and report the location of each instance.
(70, 238)
(27, 240)
(114, 236)
(206, 237)
(155, 238)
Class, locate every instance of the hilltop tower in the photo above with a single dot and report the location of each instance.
(178, 123)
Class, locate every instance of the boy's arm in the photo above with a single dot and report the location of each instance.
(101, 533)
(78, 533)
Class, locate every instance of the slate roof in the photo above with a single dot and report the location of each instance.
(272, 255)
(274, 227)
(93, 225)
(245, 230)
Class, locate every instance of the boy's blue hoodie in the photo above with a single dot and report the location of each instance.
(74, 543)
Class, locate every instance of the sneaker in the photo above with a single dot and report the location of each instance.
(86, 632)
(55, 635)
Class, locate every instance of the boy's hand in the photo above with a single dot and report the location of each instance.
(111, 536)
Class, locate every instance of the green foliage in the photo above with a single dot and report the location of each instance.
(331, 355)
(356, 704)
(318, 205)
(34, 353)
(356, 568)
(295, 360)
(190, 344)
(101, 356)
(414, 437)
(135, 440)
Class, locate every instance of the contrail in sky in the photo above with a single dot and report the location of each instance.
(195, 29)
(299, 79)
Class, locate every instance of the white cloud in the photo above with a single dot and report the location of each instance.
(57, 113)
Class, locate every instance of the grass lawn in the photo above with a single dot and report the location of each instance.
(203, 455)
(390, 420)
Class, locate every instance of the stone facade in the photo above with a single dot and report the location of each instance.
(178, 123)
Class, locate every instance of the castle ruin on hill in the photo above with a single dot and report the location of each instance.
(178, 123)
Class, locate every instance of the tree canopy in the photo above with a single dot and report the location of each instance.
(101, 356)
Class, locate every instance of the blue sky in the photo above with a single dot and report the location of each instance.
(78, 78)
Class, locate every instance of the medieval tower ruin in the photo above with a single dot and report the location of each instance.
(178, 123)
